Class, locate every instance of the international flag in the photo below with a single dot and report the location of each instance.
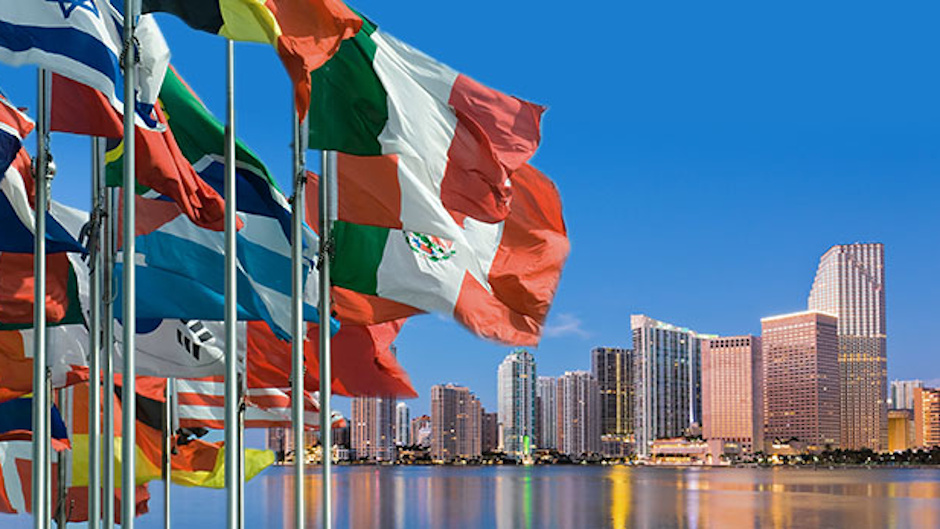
(202, 405)
(450, 144)
(17, 193)
(497, 280)
(16, 423)
(16, 481)
(363, 362)
(193, 462)
(82, 40)
(66, 301)
(160, 167)
(305, 33)
(179, 273)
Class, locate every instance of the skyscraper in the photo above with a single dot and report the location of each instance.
(579, 421)
(668, 380)
(402, 425)
(926, 417)
(455, 423)
(489, 435)
(421, 431)
(850, 283)
(902, 394)
(546, 425)
(801, 378)
(732, 392)
(372, 428)
(516, 393)
(612, 367)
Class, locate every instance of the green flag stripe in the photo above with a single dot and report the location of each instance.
(197, 131)
(359, 251)
(348, 104)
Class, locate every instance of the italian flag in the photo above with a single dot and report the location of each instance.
(450, 144)
(497, 280)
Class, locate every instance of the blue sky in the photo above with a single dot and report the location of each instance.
(707, 154)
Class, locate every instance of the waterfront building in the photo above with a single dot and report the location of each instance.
(732, 392)
(373, 428)
(926, 417)
(421, 431)
(901, 429)
(546, 413)
(579, 420)
(667, 370)
(516, 394)
(692, 451)
(402, 424)
(612, 367)
(455, 423)
(850, 283)
(489, 436)
(801, 379)
(902, 394)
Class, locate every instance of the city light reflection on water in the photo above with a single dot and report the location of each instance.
(572, 496)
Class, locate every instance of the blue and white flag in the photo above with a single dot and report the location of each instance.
(83, 40)
(180, 266)
(17, 215)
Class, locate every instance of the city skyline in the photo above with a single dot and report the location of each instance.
(752, 324)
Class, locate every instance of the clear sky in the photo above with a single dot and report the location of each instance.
(707, 154)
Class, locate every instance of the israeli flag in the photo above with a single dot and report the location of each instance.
(83, 40)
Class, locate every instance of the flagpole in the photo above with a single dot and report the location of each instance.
(129, 403)
(109, 232)
(231, 345)
(65, 410)
(326, 432)
(94, 358)
(297, 317)
(167, 450)
(40, 393)
(242, 402)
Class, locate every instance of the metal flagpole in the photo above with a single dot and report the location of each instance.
(129, 402)
(242, 402)
(108, 236)
(40, 393)
(64, 462)
(231, 345)
(167, 450)
(94, 360)
(326, 249)
(297, 317)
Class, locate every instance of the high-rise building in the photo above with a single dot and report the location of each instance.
(546, 412)
(850, 283)
(579, 421)
(402, 425)
(421, 431)
(373, 428)
(667, 370)
(732, 392)
(613, 369)
(926, 417)
(902, 394)
(516, 392)
(489, 435)
(801, 378)
(901, 429)
(455, 423)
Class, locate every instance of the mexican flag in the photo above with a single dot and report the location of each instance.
(451, 144)
(497, 280)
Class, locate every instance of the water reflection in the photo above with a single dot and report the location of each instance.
(618, 497)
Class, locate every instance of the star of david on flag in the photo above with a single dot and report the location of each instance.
(68, 6)
(82, 40)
